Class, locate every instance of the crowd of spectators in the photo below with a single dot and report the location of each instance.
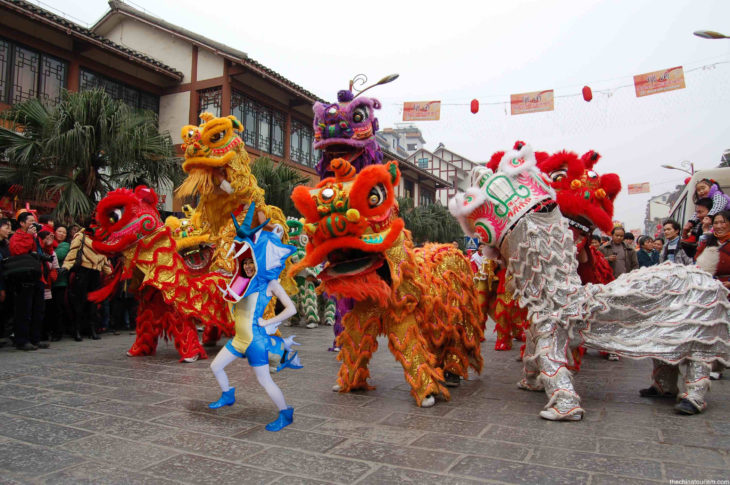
(47, 271)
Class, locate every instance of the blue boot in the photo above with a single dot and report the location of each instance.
(226, 399)
(286, 417)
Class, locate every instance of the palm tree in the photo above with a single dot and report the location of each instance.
(75, 152)
(278, 182)
(429, 223)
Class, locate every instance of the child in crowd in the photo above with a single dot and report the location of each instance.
(708, 188)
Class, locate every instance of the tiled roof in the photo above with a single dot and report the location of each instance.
(28, 9)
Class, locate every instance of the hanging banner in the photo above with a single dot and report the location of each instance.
(659, 81)
(421, 110)
(532, 102)
(638, 188)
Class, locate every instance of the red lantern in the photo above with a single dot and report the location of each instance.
(587, 93)
(474, 106)
(686, 181)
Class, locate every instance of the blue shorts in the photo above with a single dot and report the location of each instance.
(257, 352)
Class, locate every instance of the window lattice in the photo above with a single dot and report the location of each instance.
(131, 96)
(210, 101)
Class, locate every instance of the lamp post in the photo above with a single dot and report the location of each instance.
(710, 34)
(686, 164)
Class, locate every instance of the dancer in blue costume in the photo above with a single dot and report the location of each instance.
(261, 256)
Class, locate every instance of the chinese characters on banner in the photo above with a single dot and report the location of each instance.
(532, 102)
(659, 81)
(638, 188)
(421, 110)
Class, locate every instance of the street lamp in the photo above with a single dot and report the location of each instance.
(686, 164)
(710, 34)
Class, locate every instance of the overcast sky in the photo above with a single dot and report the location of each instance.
(458, 51)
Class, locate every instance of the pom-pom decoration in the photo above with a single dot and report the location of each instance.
(474, 106)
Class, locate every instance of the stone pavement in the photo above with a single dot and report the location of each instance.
(86, 413)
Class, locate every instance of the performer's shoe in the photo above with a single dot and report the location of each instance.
(685, 406)
(501, 344)
(654, 392)
(715, 376)
(227, 399)
(451, 380)
(312, 325)
(553, 414)
(428, 401)
(286, 417)
(613, 357)
(192, 359)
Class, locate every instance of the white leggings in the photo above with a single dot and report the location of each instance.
(263, 375)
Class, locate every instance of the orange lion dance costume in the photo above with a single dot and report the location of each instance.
(422, 299)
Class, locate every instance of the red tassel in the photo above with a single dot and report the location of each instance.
(105, 291)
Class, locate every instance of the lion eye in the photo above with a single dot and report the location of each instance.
(360, 115)
(592, 175)
(559, 174)
(116, 215)
(216, 137)
(376, 196)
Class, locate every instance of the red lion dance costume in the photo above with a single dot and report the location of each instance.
(170, 296)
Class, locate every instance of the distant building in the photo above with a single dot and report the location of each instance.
(657, 211)
(404, 139)
(152, 64)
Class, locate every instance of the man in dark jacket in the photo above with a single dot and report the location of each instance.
(5, 229)
(28, 288)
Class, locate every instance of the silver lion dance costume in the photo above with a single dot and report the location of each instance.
(676, 315)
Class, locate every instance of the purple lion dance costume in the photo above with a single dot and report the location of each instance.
(676, 315)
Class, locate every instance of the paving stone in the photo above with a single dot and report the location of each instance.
(31, 461)
(435, 461)
(34, 381)
(291, 480)
(388, 475)
(472, 446)
(26, 393)
(514, 472)
(128, 454)
(696, 438)
(126, 428)
(594, 462)
(128, 410)
(616, 429)
(132, 394)
(39, 432)
(56, 414)
(79, 388)
(677, 471)
(205, 423)
(198, 469)
(328, 468)
(400, 406)
(8, 405)
(292, 438)
(368, 432)
(214, 446)
(342, 412)
(563, 438)
(613, 480)
(75, 400)
(434, 424)
(101, 474)
(661, 451)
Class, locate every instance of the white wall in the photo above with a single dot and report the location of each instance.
(159, 45)
(209, 65)
(174, 112)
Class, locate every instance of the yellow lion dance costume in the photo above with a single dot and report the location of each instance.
(422, 299)
(219, 171)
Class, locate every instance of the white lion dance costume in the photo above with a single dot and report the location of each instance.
(676, 315)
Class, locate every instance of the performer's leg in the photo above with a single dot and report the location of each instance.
(147, 326)
(357, 344)
(264, 377)
(224, 357)
(697, 382)
(310, 308)
(664, 381)
(419, 364)
(530, 368)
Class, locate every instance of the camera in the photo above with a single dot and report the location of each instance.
(38, 227)
(46, 258)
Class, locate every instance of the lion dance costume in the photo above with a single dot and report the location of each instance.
(171, 297)
(422, 299)
(674, 314)
(250, 294)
